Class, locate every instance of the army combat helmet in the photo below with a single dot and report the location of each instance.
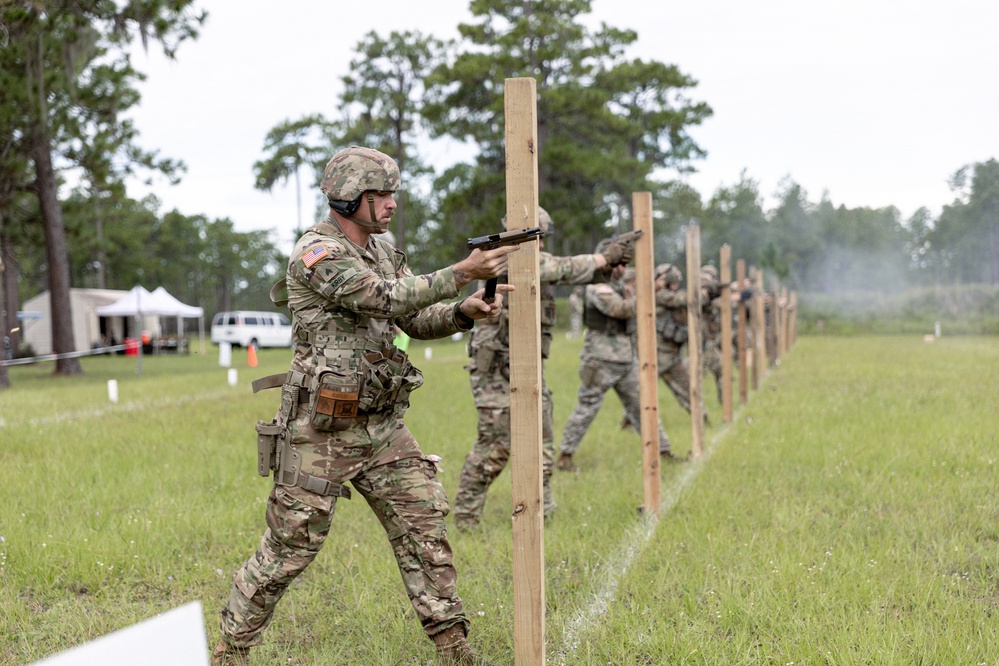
(671, 272)
(544, 221)
(352, 172)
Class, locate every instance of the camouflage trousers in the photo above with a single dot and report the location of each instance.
(713, 363)
(598, 377)
(675, 372)
(491, 451)
(384, 464)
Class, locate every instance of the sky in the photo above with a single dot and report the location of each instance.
(868, 103)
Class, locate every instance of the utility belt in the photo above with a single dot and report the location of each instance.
(338, 397)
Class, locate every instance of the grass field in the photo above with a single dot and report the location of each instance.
(849, 515)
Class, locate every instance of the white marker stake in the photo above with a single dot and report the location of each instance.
(233, 376)
(428, 353)
(225, 354)
(113, 390)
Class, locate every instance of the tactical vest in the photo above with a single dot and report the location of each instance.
(596, 320)
(349, 349)
(672, 325)
(547, 298)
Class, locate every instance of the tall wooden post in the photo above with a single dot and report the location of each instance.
(782, 331)
(740, 278)
(759, 330)
(773, 351)
(694, 356)
(725, 275)
(794, 318)
(520, 104)
(648, 365)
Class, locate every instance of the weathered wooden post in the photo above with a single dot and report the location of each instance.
(759, 329)
(694, 356)
(773, 352)
(648, 366)
(782, 321)
(725, 275)
(740, 278)
(520, 105)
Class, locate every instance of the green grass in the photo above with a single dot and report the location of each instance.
(849, 515)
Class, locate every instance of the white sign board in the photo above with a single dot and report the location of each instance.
(174, 638)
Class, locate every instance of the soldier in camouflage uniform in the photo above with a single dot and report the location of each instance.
(671, 332)
(489, 373)
(342, 406)
(711, 325)
(608, 360)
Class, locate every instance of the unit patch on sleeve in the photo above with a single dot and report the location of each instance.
(315, 254)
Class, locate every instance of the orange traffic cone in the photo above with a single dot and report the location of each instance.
(251, 356)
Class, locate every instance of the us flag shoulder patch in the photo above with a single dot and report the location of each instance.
(314, 255)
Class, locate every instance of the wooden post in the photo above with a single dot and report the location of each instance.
(648, 359)
(740, 278)
(520, 105)
(773, 351)
(794, 318)
(759, 330)
(725, 275)
(694, 356)
(782, 329)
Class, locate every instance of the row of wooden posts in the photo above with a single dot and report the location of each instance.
(520, 101)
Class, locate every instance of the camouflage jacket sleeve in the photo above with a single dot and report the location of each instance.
(580, 269)
(325, 270)
(671, 299)
(604, 298)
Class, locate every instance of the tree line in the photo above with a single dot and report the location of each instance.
(608, 125)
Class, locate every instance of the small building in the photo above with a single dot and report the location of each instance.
(89, 329)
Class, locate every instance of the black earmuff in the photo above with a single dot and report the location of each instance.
(346, 207)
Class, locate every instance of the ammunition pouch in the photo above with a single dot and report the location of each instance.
(670, 331)
(387, 379)
(334, 402)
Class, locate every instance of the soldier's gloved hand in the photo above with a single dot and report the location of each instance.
(619, 252)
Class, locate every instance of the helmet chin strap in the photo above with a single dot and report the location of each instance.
(373, 224)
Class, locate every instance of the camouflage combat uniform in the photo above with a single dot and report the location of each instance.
(608, 360)
(345, 303)
(671, 328)
(711, 330)
(576, 312)
(489, 374)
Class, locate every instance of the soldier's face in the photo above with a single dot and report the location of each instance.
(385, 206)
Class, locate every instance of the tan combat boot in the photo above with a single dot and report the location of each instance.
(465, 522)
(565, 463)
(454, 650)
(667, 456)
(228, 655)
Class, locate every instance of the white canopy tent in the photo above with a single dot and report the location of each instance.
(139, 302)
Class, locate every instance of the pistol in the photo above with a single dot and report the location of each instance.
(493, 241)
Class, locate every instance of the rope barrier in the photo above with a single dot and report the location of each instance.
(56, 357)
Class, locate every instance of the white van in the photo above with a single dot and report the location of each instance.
(243, 328)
